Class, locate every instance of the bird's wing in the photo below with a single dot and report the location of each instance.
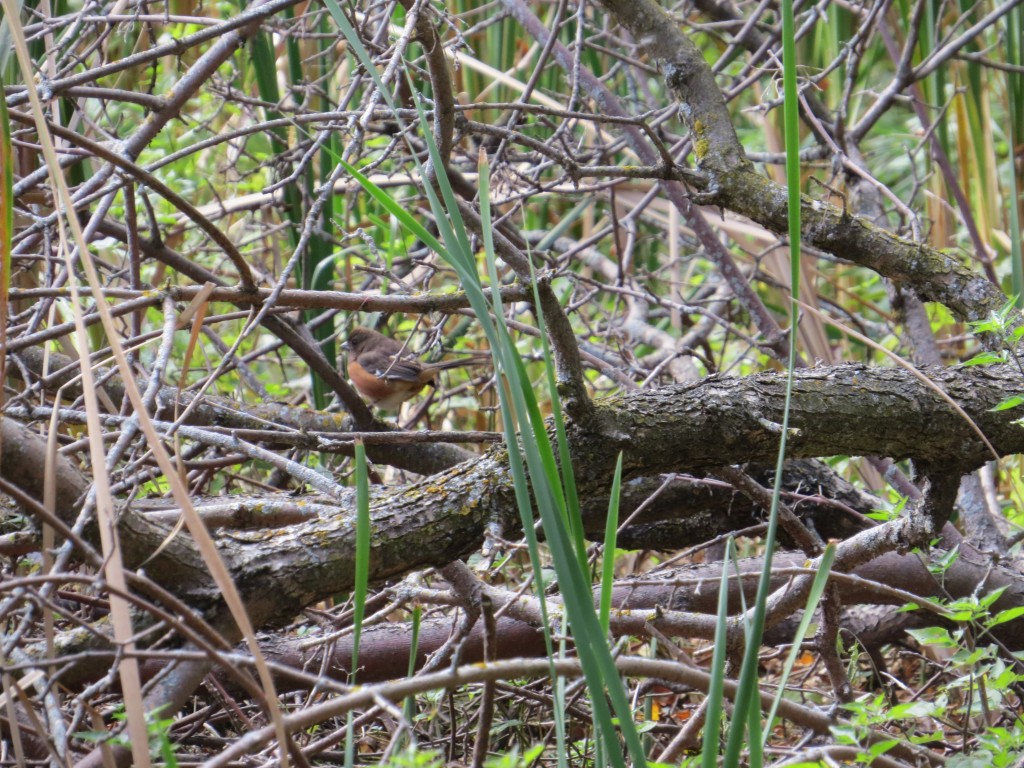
(390, 369)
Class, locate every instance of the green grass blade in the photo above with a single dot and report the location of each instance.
(1015, 107)
(362, 566)
(716, 690)
(747, 709)
(610, 534)
(360, 582)
(813, 598)
(409, 705)
(572, 517)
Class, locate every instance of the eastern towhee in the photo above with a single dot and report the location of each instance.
(385, 373)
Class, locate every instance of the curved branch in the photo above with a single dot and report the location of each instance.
(734, 184)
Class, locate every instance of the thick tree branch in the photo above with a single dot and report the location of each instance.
(847, 410)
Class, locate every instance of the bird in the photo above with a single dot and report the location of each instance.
(385, 373)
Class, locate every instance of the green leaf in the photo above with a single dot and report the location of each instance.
(936, 636)
(1004, 616)
(985, 358)
(914, 709)
(1011, 402)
